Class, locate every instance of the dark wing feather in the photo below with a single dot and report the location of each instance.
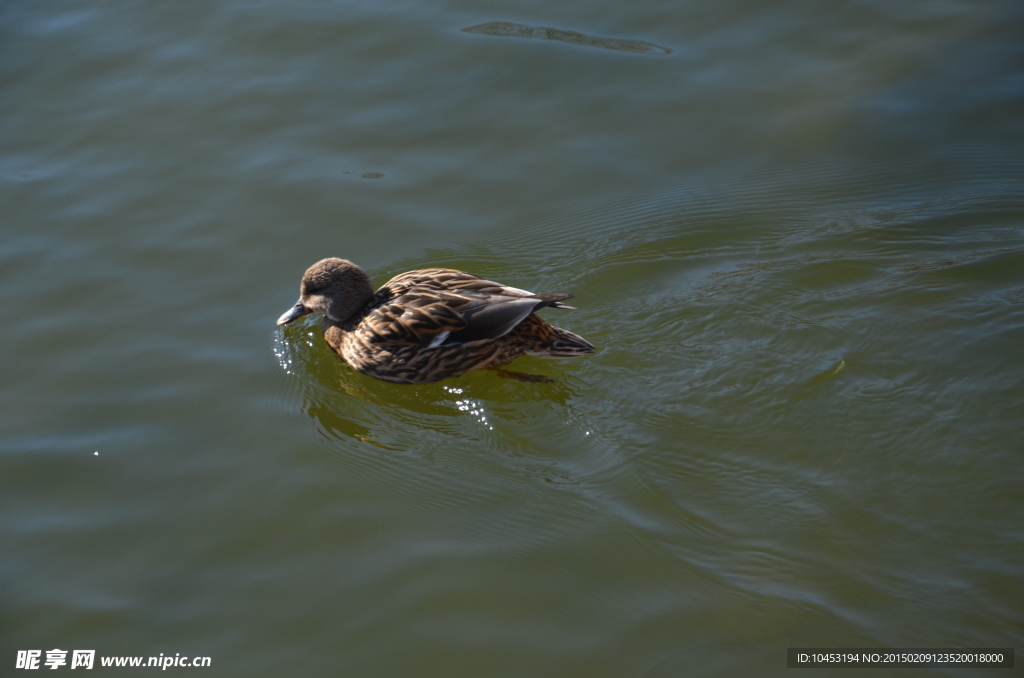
(492, 317)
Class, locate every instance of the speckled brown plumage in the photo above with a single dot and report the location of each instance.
(427, 325)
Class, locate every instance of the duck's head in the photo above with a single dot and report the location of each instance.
(335, 288)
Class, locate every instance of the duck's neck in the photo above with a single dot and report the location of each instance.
(350, 323)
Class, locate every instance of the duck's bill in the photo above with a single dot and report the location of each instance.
(296, 311)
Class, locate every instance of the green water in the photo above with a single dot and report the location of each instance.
(797, 240)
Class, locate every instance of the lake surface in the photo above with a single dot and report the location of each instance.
(796, 235)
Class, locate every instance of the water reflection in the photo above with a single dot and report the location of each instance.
(348, 404)
(510, 30)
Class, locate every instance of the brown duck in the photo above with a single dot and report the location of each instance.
(427, 325)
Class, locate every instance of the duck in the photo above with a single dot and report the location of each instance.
(431, 324)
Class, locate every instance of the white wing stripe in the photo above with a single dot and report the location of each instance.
(518, 291)
(439, 339)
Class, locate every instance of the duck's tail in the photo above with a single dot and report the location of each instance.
(566, 345)
(553, 342)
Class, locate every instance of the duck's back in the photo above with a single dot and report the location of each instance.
(445, 280)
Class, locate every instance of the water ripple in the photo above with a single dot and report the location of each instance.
(512, 30)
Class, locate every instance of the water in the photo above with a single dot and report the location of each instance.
(797, 240)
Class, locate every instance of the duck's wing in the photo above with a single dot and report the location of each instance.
(443, 306)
